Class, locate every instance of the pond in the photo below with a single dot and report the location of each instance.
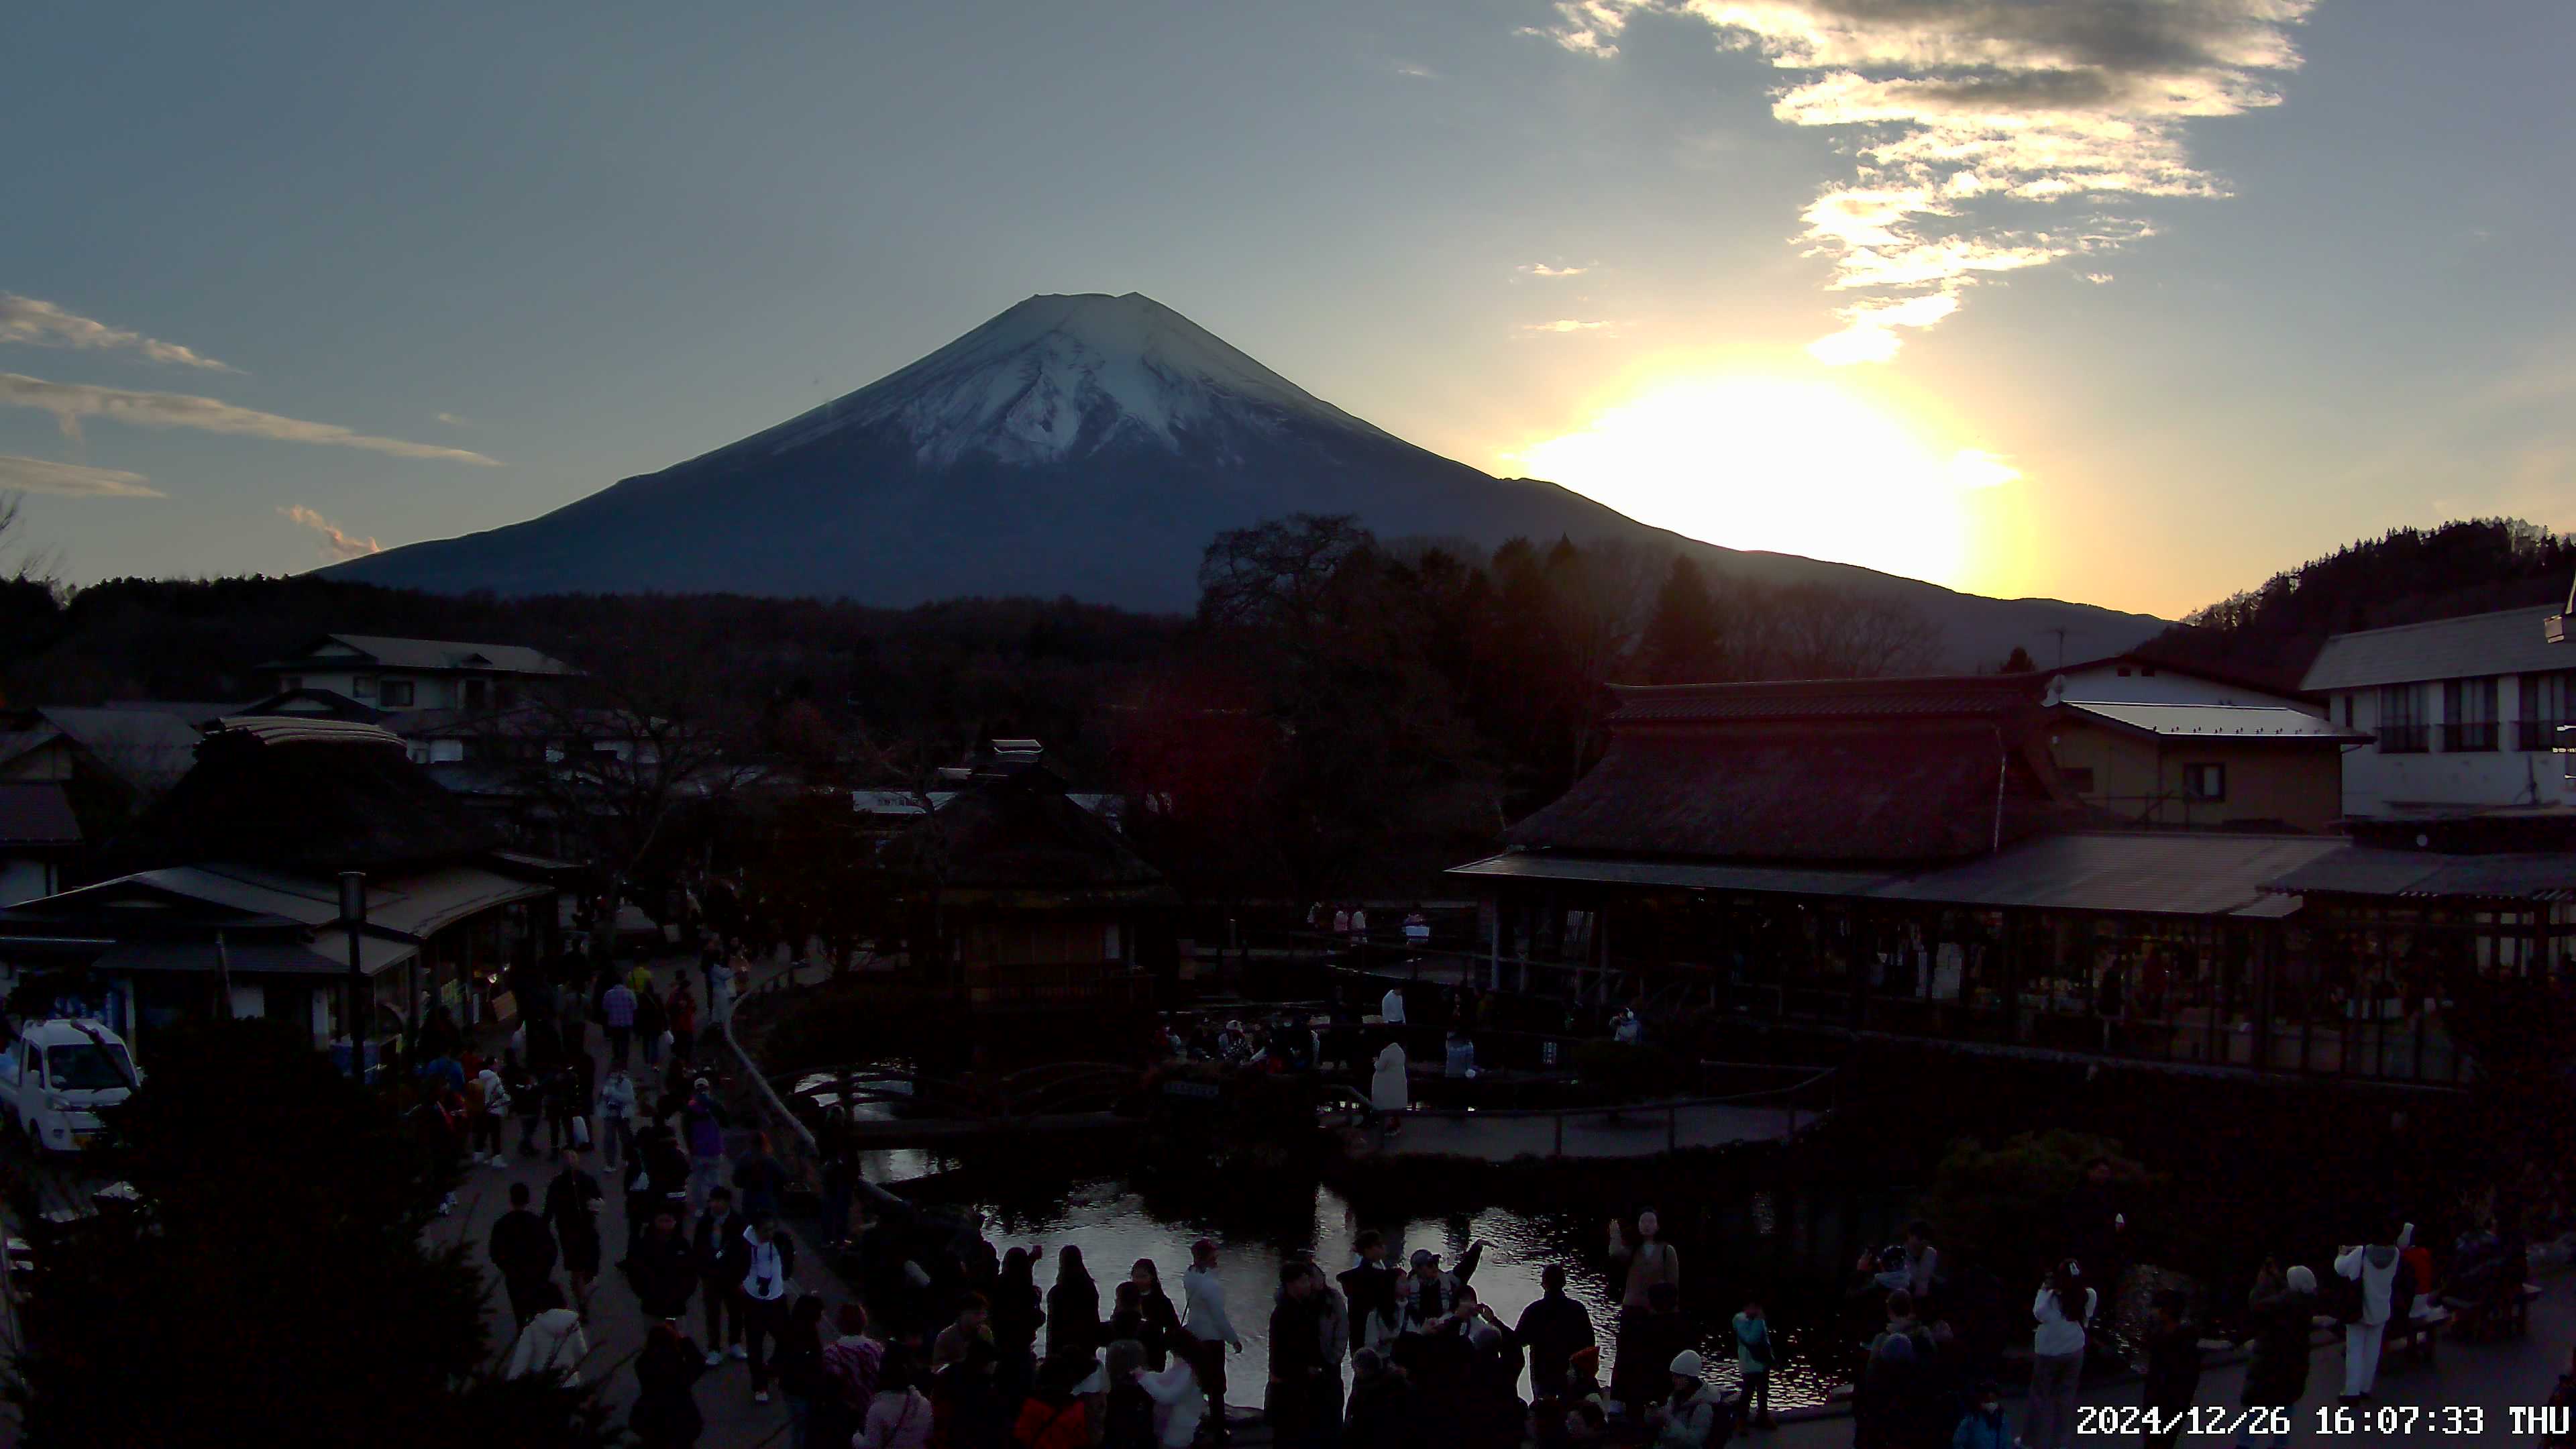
(1789, 1249)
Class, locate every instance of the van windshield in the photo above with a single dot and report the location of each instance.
(87, 1067)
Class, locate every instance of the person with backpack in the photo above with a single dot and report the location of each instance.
(666, 1414)
(2281, 1307)
(899, 1415)
(702, 1126)
(2374, 1268)
(660, 1265)
(2173, 1370)
(2061, 1309)
(722, 1253)
(1053, 1416)
(760, 1304)
(551, 1342)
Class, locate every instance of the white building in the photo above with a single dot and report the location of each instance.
(2465, 714)
(395, 675)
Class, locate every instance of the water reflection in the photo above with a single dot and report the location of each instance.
(1115, 1222)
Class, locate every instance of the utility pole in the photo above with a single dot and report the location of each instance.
(353, 916)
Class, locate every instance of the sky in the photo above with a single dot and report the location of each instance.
(2112, 300)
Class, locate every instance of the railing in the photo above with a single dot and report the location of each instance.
(2405, 739)
(2466, 736)
(2542, 734)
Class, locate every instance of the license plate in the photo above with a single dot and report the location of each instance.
(82, 1139)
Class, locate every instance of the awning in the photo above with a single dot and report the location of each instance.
(2153, 873)
(2364, 870)
(1778, 880)
(253, 958)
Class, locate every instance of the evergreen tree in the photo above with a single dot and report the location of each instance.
(1683, 642)
(267, 1282)
(2018, 662)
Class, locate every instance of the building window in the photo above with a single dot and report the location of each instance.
(2077, 779)
(397, 694)
(2402, 726)
(2469, 714)
(446, 752)
(478, 694)
(362, 686)
(2204, 782)
(2548, 701)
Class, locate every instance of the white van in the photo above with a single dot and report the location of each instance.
(55, 1077)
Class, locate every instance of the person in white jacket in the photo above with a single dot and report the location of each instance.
(1179, 1402)
(2063, 1306)
(551, 1343)
(1203, 1318)
(2375, 1268)
(1390, 1088)
(1689, 1419)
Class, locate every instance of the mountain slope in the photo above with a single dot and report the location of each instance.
(1088, 446)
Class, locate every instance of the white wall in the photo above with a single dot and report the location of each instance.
(24, 880)
(2105, 684)
(2382, 784)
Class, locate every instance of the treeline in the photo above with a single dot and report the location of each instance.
(2405, 576)
(1352, 701)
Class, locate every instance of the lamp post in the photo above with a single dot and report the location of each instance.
(353, 917)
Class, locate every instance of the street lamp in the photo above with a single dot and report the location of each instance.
(353, 917)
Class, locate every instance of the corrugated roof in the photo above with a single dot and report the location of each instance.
(2154, 872)
(288, 729)
(37, 813)
(2218, 721)
(1787, 880)
(253, 958)
(2364, 870)
(2507, 642)
(429, 654)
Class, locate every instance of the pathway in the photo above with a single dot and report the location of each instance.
(1642, 1131)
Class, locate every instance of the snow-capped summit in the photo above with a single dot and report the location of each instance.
(1060, 376)
(1089, 447)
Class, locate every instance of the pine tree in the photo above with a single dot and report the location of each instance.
(1683, 643)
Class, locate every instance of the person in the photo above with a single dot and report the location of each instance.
(853, 1370)
(1359, 922)
(1390, 1007)
(898, 1414)
(550, 1342)
(759, 1179)
(1458, 1055)
(1982, 1427)
(1888, 1400)
(2061, 1308)
(723, 1255)
(1302, 1377)
(1072, 1309)
(1390, 1087)
(799, 1365)
(660, 1266)
(1755, 1353)
(973, 1325)
(768, 1272)
(681, 1013)
(1372, 1287)
(2374, 1267)
(724, 978)
(1647, 1337)
(1180, 1400)
(526, 1095)
(1053, 1416)
(840, 1188)
(703, 1124)
(524, 1252)
(1417, 930)
(1204, 1319)
(487, 1102)
(666, 1412)
(651, 1021)
(1691, 1417)
(1551, 1329)
(657, 1176)
(1649, 1260)
(573, 1203)
(616, 1115)
(1915, 1267)
(1144, 1313)
(1382, 1411)
(2173, 1370)
(2281, 1308)
(2096, 1229)
(617, 1013)
(1126, 1410)
(1431, 1292)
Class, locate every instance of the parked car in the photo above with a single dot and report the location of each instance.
(57, 1075)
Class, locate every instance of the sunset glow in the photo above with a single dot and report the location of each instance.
(1794, 466)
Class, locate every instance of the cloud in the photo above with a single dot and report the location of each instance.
(70, 480)
(338, 544)
(1542, 269)
(1961, 115)
(1412, 71)
(452, 420)
(42, 324)
(71, 402)
(1564, 324)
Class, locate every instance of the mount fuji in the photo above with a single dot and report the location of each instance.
(1088, 446)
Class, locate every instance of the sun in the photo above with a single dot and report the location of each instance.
(1789, 465)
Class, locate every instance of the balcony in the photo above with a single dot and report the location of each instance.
(2542, 734)
(2462, 738)
(2405, 739)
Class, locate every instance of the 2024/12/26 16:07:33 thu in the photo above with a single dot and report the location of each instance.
(2332, 1420)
